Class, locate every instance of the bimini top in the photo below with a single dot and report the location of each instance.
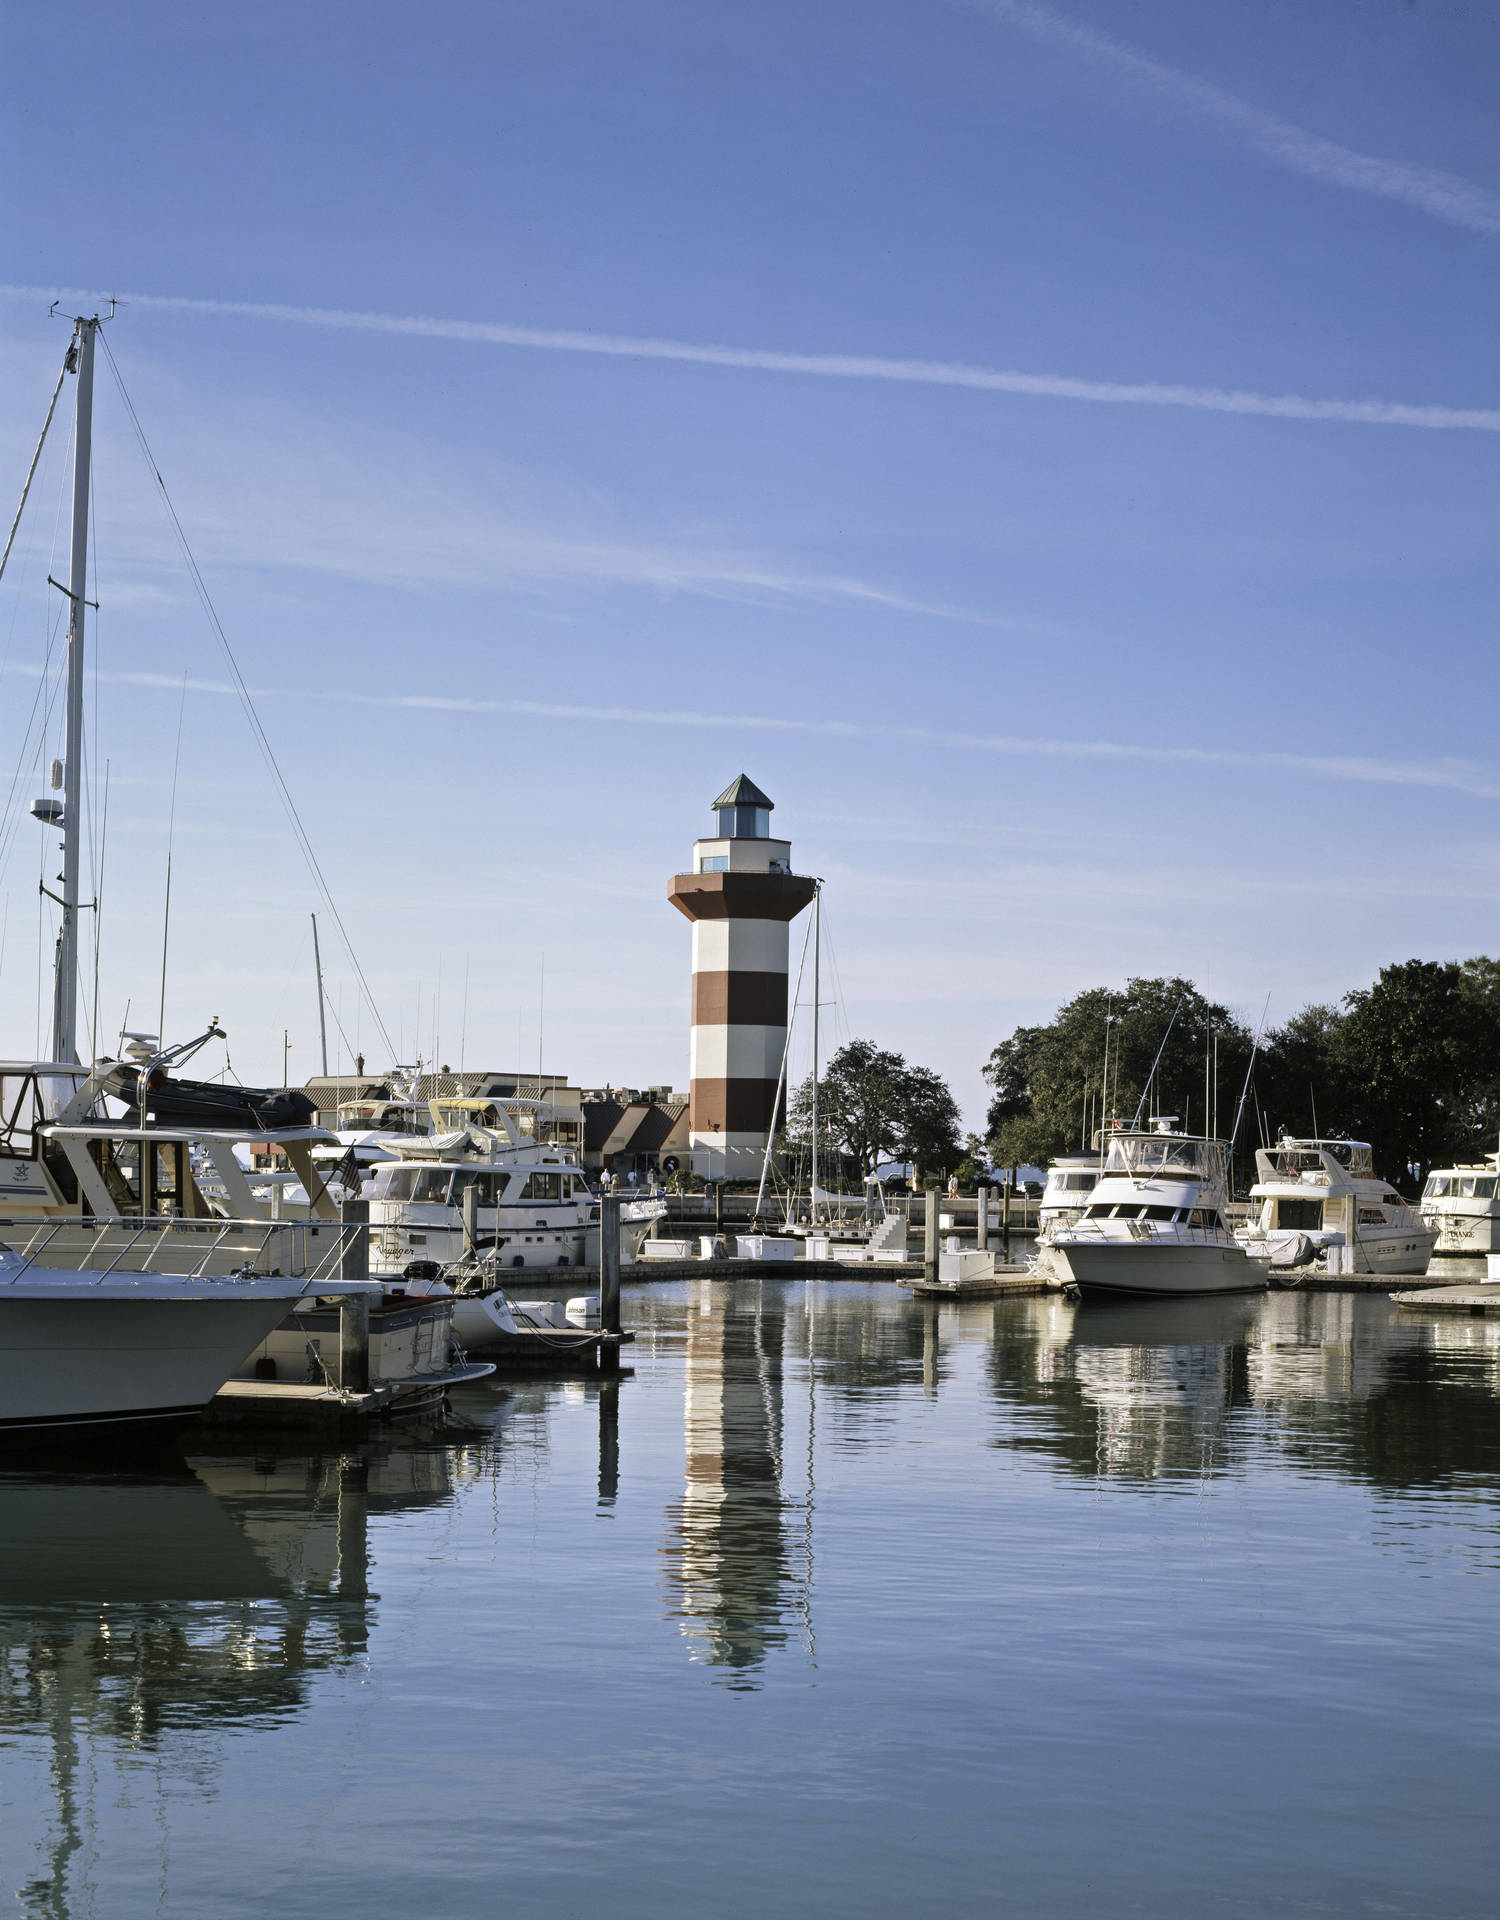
(742, 792)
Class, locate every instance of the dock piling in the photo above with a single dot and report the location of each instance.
(354, 1308)
(471, 1220)
(609, 1282)
(930, 1239)
(982, 1219)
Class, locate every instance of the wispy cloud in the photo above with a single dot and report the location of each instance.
(838, 366)
(1444, 196)
(1453, 776)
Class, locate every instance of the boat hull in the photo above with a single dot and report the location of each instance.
(1156, 1271)
(71, 1365)
(1465, 1232)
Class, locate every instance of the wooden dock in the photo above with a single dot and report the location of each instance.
(1476, 1298)
(1004, 1280)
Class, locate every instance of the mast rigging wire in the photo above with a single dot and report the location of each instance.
(35, 460)
(247, 703)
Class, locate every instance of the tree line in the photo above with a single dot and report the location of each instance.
(1410, 1063)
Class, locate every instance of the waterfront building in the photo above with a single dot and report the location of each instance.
(741, 897)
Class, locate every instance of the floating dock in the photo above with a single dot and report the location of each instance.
(1476, 1298)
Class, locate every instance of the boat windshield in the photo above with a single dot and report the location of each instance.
(1153, 1153)
(424, 1186)
(378, 1116)
(1459, 1186)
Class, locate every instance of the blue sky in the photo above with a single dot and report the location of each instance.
(1076, 673)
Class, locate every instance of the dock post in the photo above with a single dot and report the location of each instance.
(471, 1220)
(930, 1239)
(982, 1219)
(609, 1281)
(354, 1308)
(1006, 1191)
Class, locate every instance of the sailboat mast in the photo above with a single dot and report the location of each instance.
(65, 981)
(322, 1001)
(817, 996)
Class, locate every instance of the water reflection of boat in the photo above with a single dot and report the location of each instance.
(731, 1555)
(139, 1608)
(1204, 1320)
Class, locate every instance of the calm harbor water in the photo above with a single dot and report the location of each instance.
(841, 1603)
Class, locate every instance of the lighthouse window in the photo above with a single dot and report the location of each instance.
(714, 863)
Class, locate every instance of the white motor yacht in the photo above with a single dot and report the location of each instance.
(103, 1350)
(1460, 1204)
(1153, 1224)
(1315, 1194)
(1070, 1179)
(533, 1206)
(133, 1190)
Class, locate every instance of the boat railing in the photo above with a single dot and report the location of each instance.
(1146, 1231)
(144, 1244)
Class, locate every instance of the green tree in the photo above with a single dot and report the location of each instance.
(873, 1107)
(1419, 1055)
(1049, 1082)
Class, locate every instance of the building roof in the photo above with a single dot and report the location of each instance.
(742, 792)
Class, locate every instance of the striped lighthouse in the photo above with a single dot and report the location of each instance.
(741, 897)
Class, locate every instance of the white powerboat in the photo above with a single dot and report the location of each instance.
(1071, 1178)
(1317, 1194)
(1460, 1203)
(123, 1352)
(532, 1204)
(1153, 1224)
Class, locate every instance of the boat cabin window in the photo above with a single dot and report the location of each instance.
(1439, 1186)
(1395, 1200)
(17, 1114)
(1205, 1217)
(1074, 1182)
(1302, 1216)
(1155, 1154)
(484, 1184)
(1484, 1186)
(543, 1186)
(426, 1186)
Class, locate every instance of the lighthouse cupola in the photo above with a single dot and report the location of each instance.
(744, 811)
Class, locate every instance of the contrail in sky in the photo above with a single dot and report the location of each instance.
(1453, 776)
(839, 366)
(1445, 196)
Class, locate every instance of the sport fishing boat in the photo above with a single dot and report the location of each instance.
(1317, 1194)
(104, 1351)
(1070, 1179)
(1152, 1224)
(364, 1130)
(532, 1206)
(1460, 1203)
